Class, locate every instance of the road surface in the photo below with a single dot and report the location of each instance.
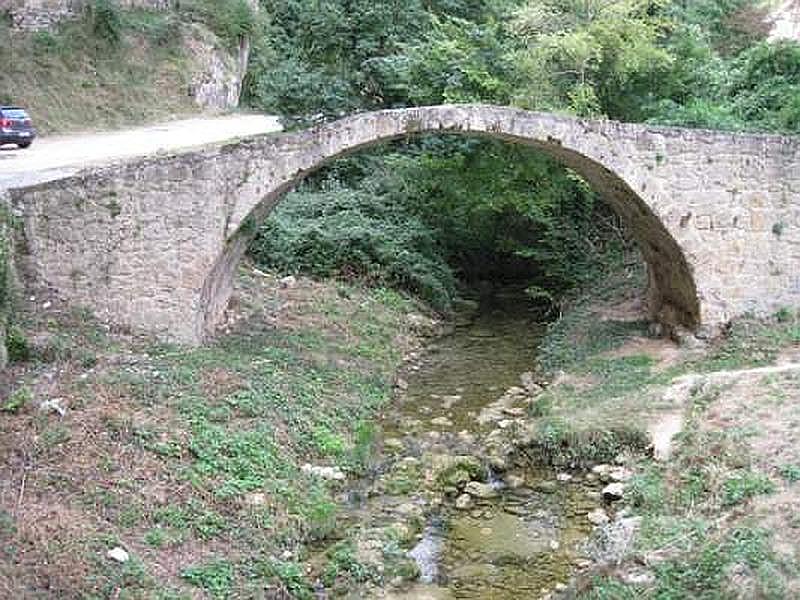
(54, 157)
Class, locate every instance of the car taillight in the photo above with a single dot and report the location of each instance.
(5, 123)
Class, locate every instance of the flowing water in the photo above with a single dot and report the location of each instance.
(520, 541)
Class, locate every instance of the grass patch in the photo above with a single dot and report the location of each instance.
(700, 534)
(191, 450)
(214, 577)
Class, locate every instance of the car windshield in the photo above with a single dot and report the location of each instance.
(15, 113)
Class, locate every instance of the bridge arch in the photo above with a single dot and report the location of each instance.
(153, 243)
(608, 155)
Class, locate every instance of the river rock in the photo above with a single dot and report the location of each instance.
(514, 481)
(288, 282)
(393, 444)
(480, 490)
(603, 472)
(638, 577)
(564, 477)
(514, 411)
(255, 499)
(620, 474)
(613, 492)
(441, 422)
(530, 384)
(598, 517)
(329, 473)
(464, 502)
(546, 487)
(449, 401)
(53, 406)
(498, 463)
(118, 554)
(449, 470)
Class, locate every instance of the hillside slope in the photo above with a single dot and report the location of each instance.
(113, 67)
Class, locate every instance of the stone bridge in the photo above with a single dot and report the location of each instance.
(153, 244)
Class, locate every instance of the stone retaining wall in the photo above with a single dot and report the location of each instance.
(35, 15)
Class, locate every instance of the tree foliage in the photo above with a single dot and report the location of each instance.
(420, 214)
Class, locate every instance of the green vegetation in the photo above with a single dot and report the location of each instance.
(426, 213)
(107, 69)
(218, 436)
(201, 453)
(699, 531)
(114, 67)
(214, 577)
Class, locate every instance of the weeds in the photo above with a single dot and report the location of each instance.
(215, 577)
(18, 399)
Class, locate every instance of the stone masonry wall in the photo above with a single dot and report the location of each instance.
(154, 244)
(34, 15)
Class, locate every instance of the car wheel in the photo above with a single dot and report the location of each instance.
(24, 145)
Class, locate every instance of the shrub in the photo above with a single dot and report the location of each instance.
(355, 235)
(106, 22)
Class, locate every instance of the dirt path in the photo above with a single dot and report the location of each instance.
(59, 156)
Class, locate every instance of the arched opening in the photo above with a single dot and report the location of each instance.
(585, 148)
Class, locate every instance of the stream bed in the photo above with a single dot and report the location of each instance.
(475, 531)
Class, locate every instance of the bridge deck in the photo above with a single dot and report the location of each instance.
(51, 158)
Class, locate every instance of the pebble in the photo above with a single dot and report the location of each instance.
(441, 422)
(554, 545)
(564, 477)
(598, 517)
(118, 554)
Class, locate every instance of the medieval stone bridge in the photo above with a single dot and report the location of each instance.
(154, 243)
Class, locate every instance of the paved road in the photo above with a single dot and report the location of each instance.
(60, 156)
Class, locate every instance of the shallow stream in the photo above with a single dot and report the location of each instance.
(518, 538)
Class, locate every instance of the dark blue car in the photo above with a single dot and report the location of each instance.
(16, 127)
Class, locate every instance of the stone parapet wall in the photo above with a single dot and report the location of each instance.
(36, 15)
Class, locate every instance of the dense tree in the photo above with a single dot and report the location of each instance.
(416, 214)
